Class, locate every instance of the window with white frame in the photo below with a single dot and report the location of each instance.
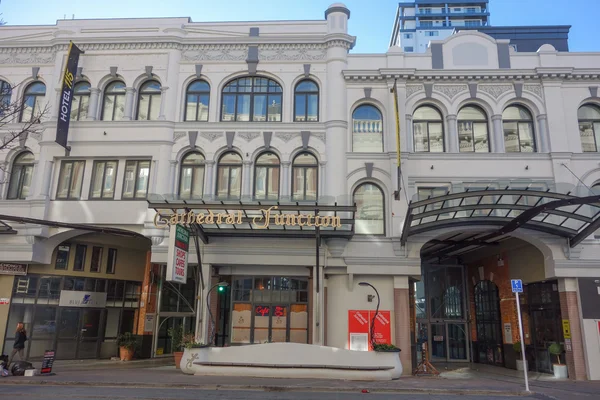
(518, 130)
(588, 117)
(305, 177)
(33, 102)
(81, 99)
(113, 102)
(428, 130)
(135, 181)
(266, 177)
(20, 176)
(191, 177)
(367, 129)
(149, 101)
(70, 180)
(104, 177)
(229, 176)
(370, 209)
(197, 101)
(473, 130)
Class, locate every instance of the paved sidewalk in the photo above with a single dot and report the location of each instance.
(466, 381)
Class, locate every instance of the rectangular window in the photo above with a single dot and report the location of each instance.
(135, 183)
(408, 36)
(111, 261)
(96, 259)
(103, 180)
(70, 180)
(424, 193)
(79, 264)
(432, 33)
(408, 49)
(62, 257)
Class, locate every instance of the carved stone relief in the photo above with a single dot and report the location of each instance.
(495, 90)
(535, 89)
(450, 90)
(248, 136)
(211, 136)
(287, 136)
(178, 135)
(291, 53)
(412, 89)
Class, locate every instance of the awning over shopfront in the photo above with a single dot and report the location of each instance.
(236, 219)
(564, 215)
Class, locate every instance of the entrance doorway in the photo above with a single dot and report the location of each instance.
(79, 333)
(440, 309)
(488, 346)
(545, 317)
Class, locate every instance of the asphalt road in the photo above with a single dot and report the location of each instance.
(44, 392)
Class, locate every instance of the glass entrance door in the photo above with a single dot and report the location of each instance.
(79, 333)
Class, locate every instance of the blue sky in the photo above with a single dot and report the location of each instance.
(371, 20)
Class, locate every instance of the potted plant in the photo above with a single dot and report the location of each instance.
(127, 343)
(520, 365)
(178, 341)
(560, 369)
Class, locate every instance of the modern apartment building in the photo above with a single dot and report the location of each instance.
(419, 22)
(499, 180)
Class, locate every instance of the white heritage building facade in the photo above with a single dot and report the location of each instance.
(266, 111)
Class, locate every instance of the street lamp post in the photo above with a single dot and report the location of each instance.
(376, 312)
(212, 321)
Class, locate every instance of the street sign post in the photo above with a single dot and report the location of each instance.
(517, 287)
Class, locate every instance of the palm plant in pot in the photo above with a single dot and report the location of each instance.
(517, 349)
(560, 369)
(127, 343)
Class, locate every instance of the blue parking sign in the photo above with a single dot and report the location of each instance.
(517, 285)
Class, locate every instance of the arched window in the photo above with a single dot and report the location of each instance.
(113, 106)
(251, 99)
(305, 177)
(191, 178)
(81, 98)
(20, 176)
(32, 101)
(518, 130)
(196, 101)
(229, 176)
(428, 130)
(149, 101)
(473, 130)
(367, 129)
(589, 127)
(306, 101)
(5, 95)
(370, 209)
(266, 177)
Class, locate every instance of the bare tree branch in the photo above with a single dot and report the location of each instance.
(18, 120)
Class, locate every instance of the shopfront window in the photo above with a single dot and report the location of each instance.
(269, 309)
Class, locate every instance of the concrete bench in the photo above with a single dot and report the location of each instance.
(258, 365)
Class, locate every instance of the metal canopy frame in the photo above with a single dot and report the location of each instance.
(564, 215)
(166, 208)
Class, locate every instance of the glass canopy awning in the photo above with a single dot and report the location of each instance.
(565, 215)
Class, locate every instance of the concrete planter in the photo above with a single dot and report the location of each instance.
(521, 366)
(299, 361)
(560, 371)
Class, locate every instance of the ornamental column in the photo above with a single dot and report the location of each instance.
(336, 111)
(163, 102)
(208, 186)
(285, 180)
(92, 111)
(544, 146)
(497, 134)
(247, 180)
(410, 146)
(129, 94)
(452, 136)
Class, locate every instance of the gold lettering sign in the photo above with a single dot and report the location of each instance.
(262, 221)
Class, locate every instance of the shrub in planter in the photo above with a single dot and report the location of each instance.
(385, 347)
(127, 343)
(179, 340)
(517, 349)
(560, 369)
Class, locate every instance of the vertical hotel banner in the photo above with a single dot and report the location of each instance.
(66, 95)
(177, 261)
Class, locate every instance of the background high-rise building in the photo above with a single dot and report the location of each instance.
(420, 21)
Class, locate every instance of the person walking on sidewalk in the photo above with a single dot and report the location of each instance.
(19, 346)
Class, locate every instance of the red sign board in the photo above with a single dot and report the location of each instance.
(359, 323)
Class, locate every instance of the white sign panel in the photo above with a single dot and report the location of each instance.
(71, 298)
(179, 239)
(359, 341)
(508, 333)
